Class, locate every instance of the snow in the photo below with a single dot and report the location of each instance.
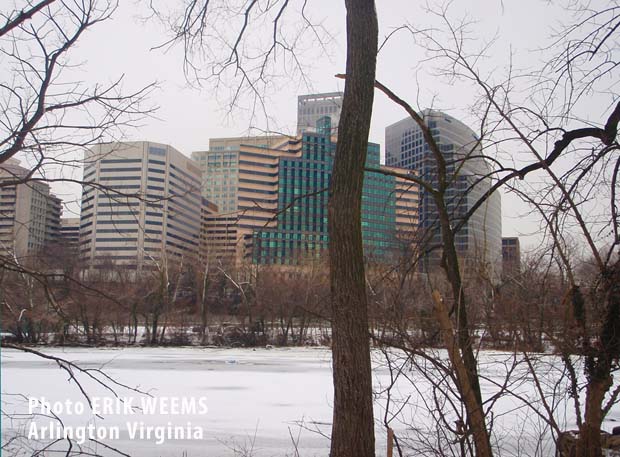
(257, 399)
(253, 395)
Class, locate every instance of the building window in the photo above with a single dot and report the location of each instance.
(153, 150)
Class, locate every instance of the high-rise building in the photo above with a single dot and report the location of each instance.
(142, 202)
(29, 213)
(407, 207)
(511, 256)
(312, 107)
(69, 234)
(281, 215)
(52, 219)
(479, 240)
(220, 168)
(245, 189)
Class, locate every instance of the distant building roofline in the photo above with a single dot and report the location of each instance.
(320, 96)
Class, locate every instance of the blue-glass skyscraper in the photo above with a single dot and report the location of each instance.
(479, 241)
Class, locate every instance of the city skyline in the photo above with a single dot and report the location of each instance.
(29, 213)
(351, 228)
(189, 116)
(263, 200)
(221, 176)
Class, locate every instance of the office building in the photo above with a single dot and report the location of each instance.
(281, 215)
(407, 207)
(312, 107)
(69, 234)
(29, 213)
(220, 168)
(52, 219)
(142, 205)
(207, 210)
(220, 183)
(511, 256)
(478, 242)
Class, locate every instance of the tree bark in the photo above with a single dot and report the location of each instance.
(599, 366)
(450, 264)
(353, 422)
(589, 443)
(469, 382)
(475, 413)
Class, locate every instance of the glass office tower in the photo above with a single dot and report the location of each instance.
(479, 241)
(301, 232)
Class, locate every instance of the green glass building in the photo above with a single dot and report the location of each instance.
(300, 234)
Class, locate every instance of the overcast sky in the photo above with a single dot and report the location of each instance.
(189, 116)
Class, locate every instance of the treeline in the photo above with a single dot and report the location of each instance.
(190, 303)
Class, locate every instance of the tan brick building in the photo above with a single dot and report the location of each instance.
(29, 213)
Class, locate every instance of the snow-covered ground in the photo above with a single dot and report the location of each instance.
(254, 397)
(262, 402)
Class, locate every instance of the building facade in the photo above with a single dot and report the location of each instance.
(220, 168)
(511, 257)
(141, 205)
(478, 242)
(407, 208)
(69, 234)
(312, 107)
(29, 213)
(53, 215)
(282, 196)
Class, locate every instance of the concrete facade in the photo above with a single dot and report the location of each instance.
(29, 213)
(511, 256)
(220, 168)
(69, 231)
(141, 206)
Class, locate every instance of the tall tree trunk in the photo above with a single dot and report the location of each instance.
(589, 443)
(203, 306)
(599, 366)
(450, 264)
(353, 423)
(154, 329)
(469, 396)
(473, 399)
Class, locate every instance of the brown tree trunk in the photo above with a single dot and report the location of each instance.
(203, 306)
(589, 443)
(475, 413)
(451, 267)
(469, 386)
(353, 422)
(599, 365)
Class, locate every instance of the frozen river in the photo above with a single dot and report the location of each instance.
(256, 399)
(243, 402)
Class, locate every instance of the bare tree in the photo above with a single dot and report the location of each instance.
(47, 118)
(353, 432)
(571, 203)
(352, 428)
(46, 115)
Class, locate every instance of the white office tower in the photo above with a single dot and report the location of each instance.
(479, 241)
(141, 206)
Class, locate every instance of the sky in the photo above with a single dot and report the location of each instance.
(190, 113)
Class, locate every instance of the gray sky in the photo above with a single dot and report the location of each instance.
(189, 116)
